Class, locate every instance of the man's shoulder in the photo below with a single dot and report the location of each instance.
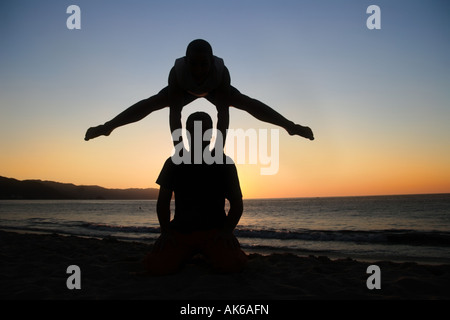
(169, 164)
(180, 62)
(179, 69)
(169, 161)
(218, 61)
(221, 158)
(228, 160)
(227, 165)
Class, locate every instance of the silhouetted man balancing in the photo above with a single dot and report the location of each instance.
(199, 74)
(200, 224)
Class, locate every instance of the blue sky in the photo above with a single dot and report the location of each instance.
(377, 100)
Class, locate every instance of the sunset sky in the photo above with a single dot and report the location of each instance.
(378, 101)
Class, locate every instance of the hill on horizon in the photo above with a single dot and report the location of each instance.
(49, 190)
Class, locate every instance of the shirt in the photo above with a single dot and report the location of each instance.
(200, 192)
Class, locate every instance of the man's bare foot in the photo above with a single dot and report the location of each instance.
(94, 132)
(299, 130)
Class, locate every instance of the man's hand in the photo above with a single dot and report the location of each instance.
(227, 238)
(166, 238)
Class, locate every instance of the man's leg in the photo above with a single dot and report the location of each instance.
(265, 113)
(224, 258)
(168, 258)
(221, 99)
(178, 98)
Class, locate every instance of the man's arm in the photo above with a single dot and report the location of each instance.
(163, 212)
(234, 214)
(233, 194)
(163, 208)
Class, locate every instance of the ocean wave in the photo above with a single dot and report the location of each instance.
(383, 237)
(406, 237)
(392, 236)
(118, 228)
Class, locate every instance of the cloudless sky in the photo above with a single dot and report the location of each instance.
(378, 101)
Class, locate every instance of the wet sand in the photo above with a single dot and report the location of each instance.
(35, 267)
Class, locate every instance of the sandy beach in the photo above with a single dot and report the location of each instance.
(35, 267)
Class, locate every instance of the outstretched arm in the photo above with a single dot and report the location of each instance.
(134, 113)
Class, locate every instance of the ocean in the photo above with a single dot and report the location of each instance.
(401, 228)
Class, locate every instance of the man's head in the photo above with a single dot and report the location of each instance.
(199, 57)
(197, 121)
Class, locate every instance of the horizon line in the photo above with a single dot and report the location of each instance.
(252, 198)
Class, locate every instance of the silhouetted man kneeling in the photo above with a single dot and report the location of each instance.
(200, 224)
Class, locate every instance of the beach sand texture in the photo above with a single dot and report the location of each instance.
(35, 267)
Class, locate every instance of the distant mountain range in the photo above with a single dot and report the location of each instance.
(49, 190)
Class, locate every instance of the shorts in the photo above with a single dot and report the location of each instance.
(170, 258)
